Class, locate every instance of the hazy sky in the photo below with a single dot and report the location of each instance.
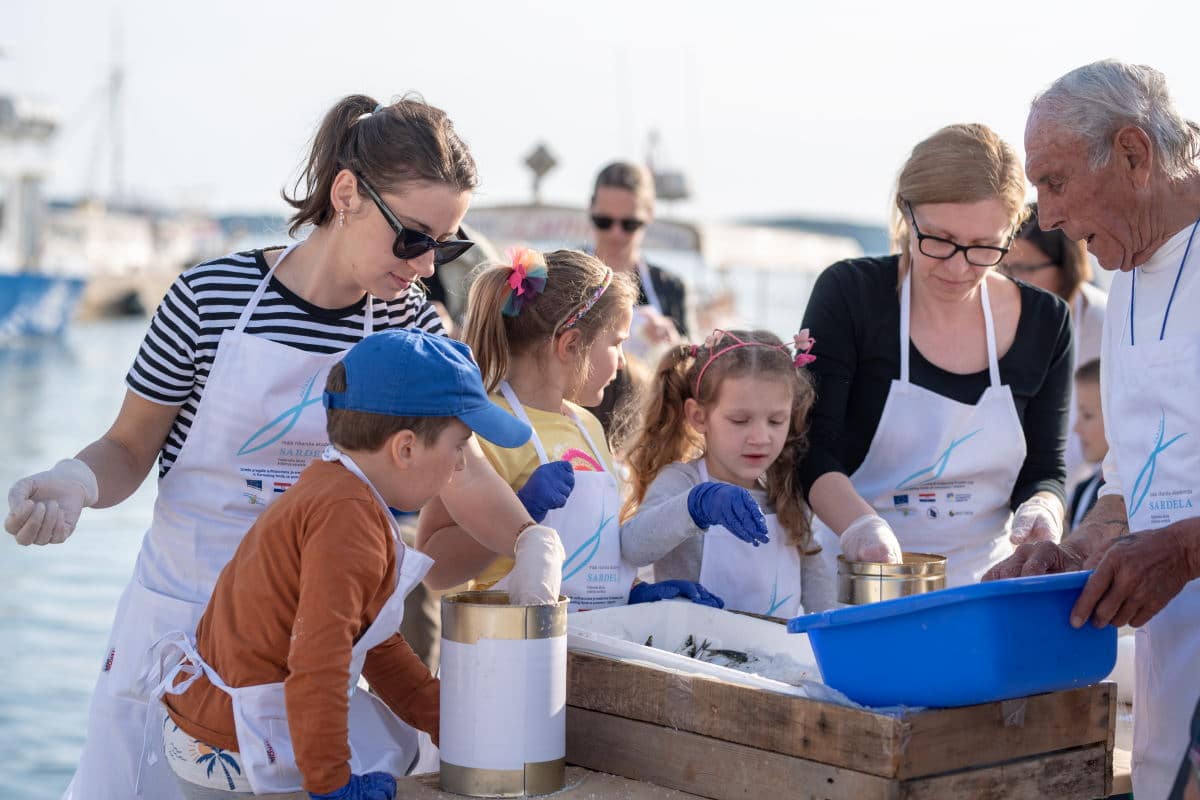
(769, 107)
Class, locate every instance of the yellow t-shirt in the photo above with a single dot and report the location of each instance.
(562, 440)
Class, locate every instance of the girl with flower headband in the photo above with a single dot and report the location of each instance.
(547, 333)
(715, 445)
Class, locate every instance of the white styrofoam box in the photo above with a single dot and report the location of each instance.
(621, 632)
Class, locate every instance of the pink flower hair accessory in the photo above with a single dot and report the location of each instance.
(803, 344)
(527, 280)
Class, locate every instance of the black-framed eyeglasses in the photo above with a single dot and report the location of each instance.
(977, 255)
(410, 243)
(628, 224)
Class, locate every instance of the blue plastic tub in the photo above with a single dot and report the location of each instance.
(962, 646)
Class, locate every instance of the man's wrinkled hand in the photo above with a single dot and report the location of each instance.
(1135, 578)
(1038, 558)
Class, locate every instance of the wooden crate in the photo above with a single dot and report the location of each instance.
(721, 740)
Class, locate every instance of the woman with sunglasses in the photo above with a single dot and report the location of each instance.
(622, 207)
(1051, 261)
(942, 385)
(225, 393)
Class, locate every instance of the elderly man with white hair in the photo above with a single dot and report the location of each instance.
(1115, 165)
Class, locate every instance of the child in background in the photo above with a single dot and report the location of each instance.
(718, 441)
(1089, 426)
(547, 333)
(265, 699)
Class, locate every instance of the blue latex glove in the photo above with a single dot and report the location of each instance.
(372, 786)
(548, 487)
(667, 590)
(732, 507)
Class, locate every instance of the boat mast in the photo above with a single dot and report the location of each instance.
(116, 132)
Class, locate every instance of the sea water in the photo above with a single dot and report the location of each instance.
(57, 601)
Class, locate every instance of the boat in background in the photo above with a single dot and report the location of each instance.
(132, 252)
(34, 301)
(741, 275)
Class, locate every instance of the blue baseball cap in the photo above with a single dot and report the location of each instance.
(412, 373)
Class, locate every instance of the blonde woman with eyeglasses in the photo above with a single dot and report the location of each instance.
(942, 385)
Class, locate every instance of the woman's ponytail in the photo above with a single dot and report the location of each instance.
(313, 206)
(387, 145)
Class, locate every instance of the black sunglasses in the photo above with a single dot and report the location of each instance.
(977, 255)
(629, 224)
(411, 243)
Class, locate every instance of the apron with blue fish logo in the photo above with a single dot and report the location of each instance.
(761, 580)
(1152, 386)
(258, 425)
(941, 472)
(594, 573)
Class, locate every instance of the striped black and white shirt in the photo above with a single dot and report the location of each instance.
(175, 358)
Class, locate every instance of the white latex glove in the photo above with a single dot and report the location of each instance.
(43, 508)
(1038, 519)
(657, 327)
(869, 538)
(536, 577)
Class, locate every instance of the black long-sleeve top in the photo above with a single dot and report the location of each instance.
(854, 314)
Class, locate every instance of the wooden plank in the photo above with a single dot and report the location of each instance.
(943, 740)
(831, 734)
(581, 784)
(709, 767)
(930, 742)
(1078, 774)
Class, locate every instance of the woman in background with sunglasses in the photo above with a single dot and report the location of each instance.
(1051, 261)
(225, 393)
(622, 207)
(942, 385)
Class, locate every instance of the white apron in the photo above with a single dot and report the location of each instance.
(594, 573)
(761, 580)
(259, 424)
(379, 740)
(942, 472)
(1152, 388)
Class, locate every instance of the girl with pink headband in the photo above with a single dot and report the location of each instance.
(547, 333)
(712, 459)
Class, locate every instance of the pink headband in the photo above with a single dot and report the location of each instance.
(591, 301)
(801, 341)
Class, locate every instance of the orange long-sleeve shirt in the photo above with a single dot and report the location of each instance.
(305, 583)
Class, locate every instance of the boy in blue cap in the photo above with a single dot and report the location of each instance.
(265, 700)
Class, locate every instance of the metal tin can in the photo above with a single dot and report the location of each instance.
(503, 697)
(861, 582)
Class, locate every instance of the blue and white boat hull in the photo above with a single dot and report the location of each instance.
(36, 305)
